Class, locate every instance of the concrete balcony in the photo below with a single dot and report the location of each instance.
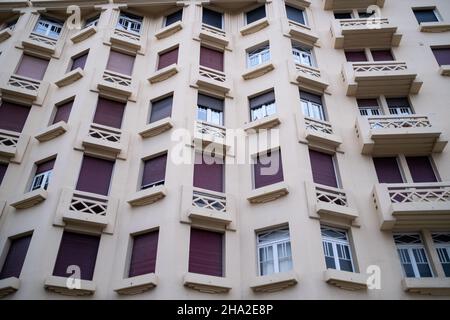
(213, 80)
(212, 135)
(372, 79)
(23, 90)
(360, 33)
(310, 77)
(109, 141)
(13, 145)
(129, 41)
(402, 206)
(116, 85)
(214, 35)
(320, 133)
(391, 135)
(42, 44)
(351, 4)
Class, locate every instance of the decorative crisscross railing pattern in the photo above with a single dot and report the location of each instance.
(318, 125)
(24, 83)
(390, 122)
(215, 31)
(89, 205)
(369, 22)
(42, 39)
(331, 195)
(212, 74)
(307, 70)
(9, 139)
(419, 193)
(117, 78)
(128, 35)
(104, 133)
(204, 128)
(209, 201)
(380, 66)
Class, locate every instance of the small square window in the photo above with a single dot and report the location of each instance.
(212, 18)
(295, 14)
(258, 56)
(173, 17)
(425, 15)
(442, 55)
(255, 14)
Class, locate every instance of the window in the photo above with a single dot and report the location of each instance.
(13, 116)
(302, 55)
(295, 14)
(268, 169)
(209, 172)
(442, 244)
(258, 56)
(109, 113)
(129, 22)
(369, 107)
(442, 55)
(77, 249)
(11, 24)
(355, 56)
(426, 15)
(15, 257)
(154, 172)
(255, 14)
(3, 168)
(382, 55)
(48, 27)
(32, 67)
(79, 61)
(211, 58)
(365, 14)
(388, 170)
(323, 170)
(421, 169)
(93, 21)
(210, 109)
(161, 108)
(143, 254)
(274, 251)
(343, 15)
(262, 106)
(336, 248)
(95, 175)
(399, 106)
(212, 18)
(173, 17)
(168, 58)
(62, 112)
(42, 175)
(120, 62)
(413, 256)
(206, 252)
(312, 105)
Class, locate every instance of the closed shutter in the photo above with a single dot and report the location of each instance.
(256, 14)
(154, 171)
(211, 58)
(208, 174)
(366, 103)
(295, 14)
(63, 112)
(32, 67)
(314, 98)
(268, 169)
(210, 102)
(79, 62)
(206, 252)
(387, 170)
(421, 169)
(167, 58)
(45, 166)
(342, 15)
(212, 18)
(355, 56)
(425, 15)
(397, 102)
(13, 116)
(79, 250)
(3, 168)
(161, 109)
(95, 175)
(262, 99)
(120, 62)
(382, 55)
(15, 257)
(109, 113)
(174, 17)
(323, 168)
(143, 256)
(442, 55)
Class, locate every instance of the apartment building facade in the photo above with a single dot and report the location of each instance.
(94, 98)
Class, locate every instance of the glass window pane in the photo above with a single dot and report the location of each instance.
(266, 260)
(201, 114)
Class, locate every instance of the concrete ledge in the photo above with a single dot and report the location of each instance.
(83, 34)
(274, 282)
(346, 280)
(156, 128)
(439, 26)
(136, 285)
(205, 283)
(427, 286)
(5, 34)
(70, 77)
(169, 30)
(254, 27)
(29, 199)
(444, 70)
(147, 196)
(258, 71)
(9, 286)
(263, 123)
(53, 131)
(268, 193)
(163, 74)
(59, 285)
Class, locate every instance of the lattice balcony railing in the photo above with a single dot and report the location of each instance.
(104, 133)
(379, 66)
(318, 125)
(209, 201)
(331, 195)
(96, 206)
(419, 192)
(212, 74)
(9, 138)
(215, 131)
(117, 78)
(368, 22)
(24, 83)
(310, 71)
(390, 122)
(128, 35)
(43, 39)
(216, 31)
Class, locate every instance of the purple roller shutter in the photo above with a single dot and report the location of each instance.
(154, 171)
(95, 175)
(79, 61)
(167, 58)
(3, 168)
(365, 103)
(442, 55)
(210, 102)
(208, 173)
(268, 169)
(109, 113)
(32, 67)
(382, 55)
(323, 168)
(421, 169)
(206, 252)
(262, 99)
(120, 62)
(310, 97)
(143, 256)
(63, 112)
(15, 257)
(211, 58)
(387, 170)
(397, 102)
(79, 250)
(45, 166)
(13, 116)
(355, 56)
(161, 109)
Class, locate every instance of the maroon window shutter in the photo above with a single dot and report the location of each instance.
(13, 116)
(95, 175)
(154, 171)
(365, 103)
(15, 257)
(109, 113)
(421, 169)
(143, 256)
(208, 174)
(323, 168)
(355, 56)
(268, 169)
(211, 58)
(45, 166)
(79, 62)
(382, 55)
(32, 67)
(161, 108)
(167, 58)
(387, 170)
(206, 252)
(63, 112)
(3, 168)
(120, 62)
(442, 55)
(77, 249)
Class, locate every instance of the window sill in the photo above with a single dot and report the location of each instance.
(70, 78)
(208, 215)
(53, 131)
(136, 285)
(346, 280)
(302, 33)
(156, 128)
(254, 27)
(2, 207)
(268, 193)
(434, 26)
(427, 286)
(147, 196)
(163, 74)
(263, 123)
(9, 286)
(274, 282)
(258, 71)
(83, 34)
(444, 70)
(59, 285)
(169, 30)
(5, 34)
(29, 199)
(205, 283)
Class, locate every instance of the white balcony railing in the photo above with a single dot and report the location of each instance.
(369, 23)
(107, 134)
(43, 39)
(117, 78)
(318, 125)
(209, 200)
(212, 74)
(379, 66)
(127, 35)
(216, 31)
(396, 122)
(419, 192)
(85, 203)
(310, 71)
(9, 138)
(331, 195)
(24, 83)
(205, 128)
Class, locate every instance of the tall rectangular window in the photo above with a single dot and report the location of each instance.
(161, 108)
(425, 15)
(312, 105)
(42, 175)
(322, 165)
(206, 252)
(109, 113)
(268, 169)
(274, 251)
(48, 27)
(442, 245)
(3, 168)
(129, 22)
(421, 169)
(262, 105)
(13, 116)
(15, 257)
(95, 175)
(211, 58)
(143, 255)
(399, 106)
(355, 56)
(79, 250)
(295, 14)
(168, 58)
(79, 61)
(302, 55)
(255, 14)
(32, 67)
(258, 56)
(209, 172)
(173, 17)
(154, 173)
(210, 109)
(442, 55)
(382, 55)
(336, 248)
(212, 18)
(63, 112)
(120, 62)
(388, 170)
(413, 256)
(369, 107)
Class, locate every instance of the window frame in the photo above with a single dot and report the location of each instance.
(409, 249)
(157, 183)
(433, 9)
(222, 22)
(172, 12)
(304, 14)
(303, 50)
(254, 8)
(274, 244)
(129, 22)
(51, 23)
(334, 242)
(309, 105)
(259, 52)
(443, 246)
